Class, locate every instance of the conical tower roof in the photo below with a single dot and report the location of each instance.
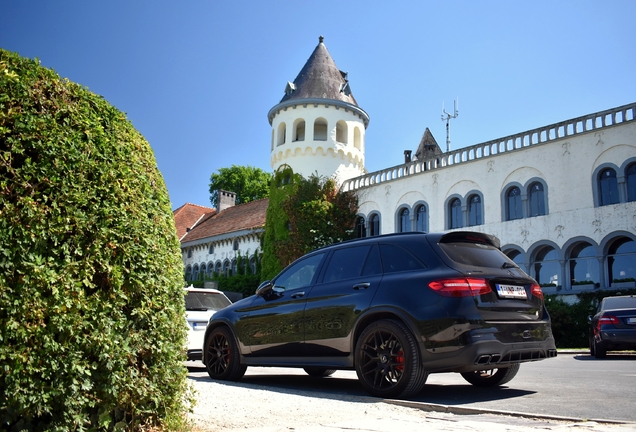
(320, 78)
(428, 147)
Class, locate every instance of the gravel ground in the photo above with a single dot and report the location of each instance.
(249, 407)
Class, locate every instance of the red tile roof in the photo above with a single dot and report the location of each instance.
(187, 215)
(237, 218)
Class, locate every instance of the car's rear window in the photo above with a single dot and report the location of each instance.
(203, 301)
(619, 303)
(476, 254)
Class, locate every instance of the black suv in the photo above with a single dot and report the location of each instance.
(394, 308)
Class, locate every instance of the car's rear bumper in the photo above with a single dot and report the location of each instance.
(487, 354)
(619, 338)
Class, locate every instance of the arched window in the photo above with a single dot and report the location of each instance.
(235, 246)
(341, 132)
(455, 214)
(630, 177)
(621, 261)
(513, 204)
(320, 130)
(226, 267)
(188, 273)
(217, 268)
(282, 131)
(607, 187)
(211, 249)
(357, 138)
(404, 221)
(421, 219)
(475, 211)
(537, 199)
(189, 252)
(516, 256)
(234, 268)
(360, 229)
(195, 272)
(299, 132)
(583, 265)
(374, 225)
(547, 268)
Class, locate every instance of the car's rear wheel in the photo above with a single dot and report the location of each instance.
(492, 378)
(388, 362)
(222, 356)
(318, 372)
(600, 351)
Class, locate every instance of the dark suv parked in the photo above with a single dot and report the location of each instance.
(394, 308)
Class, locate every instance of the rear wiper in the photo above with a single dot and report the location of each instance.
(508, 265)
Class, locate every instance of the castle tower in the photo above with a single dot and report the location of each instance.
(318, 127)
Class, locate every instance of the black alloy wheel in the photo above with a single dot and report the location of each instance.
(318, 372)
(222, 358)
(388, 362)
(493, 377)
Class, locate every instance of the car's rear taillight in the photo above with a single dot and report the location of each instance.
(460, 287)
(536, 291)
(608, 319)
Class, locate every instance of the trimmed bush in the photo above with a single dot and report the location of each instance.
(92, 323)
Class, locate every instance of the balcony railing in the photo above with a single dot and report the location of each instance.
(568, 128)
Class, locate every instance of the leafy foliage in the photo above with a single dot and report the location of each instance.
(91, 303)
(303, 215)
(570, 324)
(247, 182)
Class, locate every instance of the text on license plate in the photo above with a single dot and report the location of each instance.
(511, 291)
(631, 320)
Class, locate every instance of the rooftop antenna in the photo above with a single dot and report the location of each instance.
(447, 117)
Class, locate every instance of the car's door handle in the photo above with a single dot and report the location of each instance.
(298, 295)
(360, 286)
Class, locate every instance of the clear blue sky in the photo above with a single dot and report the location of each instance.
(197, 78)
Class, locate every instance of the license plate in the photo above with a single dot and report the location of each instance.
(512, 291)
(199, 325)
(631, 320)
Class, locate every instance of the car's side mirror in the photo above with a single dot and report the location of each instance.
(264, 288)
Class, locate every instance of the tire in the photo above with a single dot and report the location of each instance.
(600, 351)
(388, 362)
(492, 378)
(592, 350)
(222, 357)
(318, 372)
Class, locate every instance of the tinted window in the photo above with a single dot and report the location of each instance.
(300, 273)
(619, 303)
(476, 254)
(396, 259)
(346, 263)
(373, 265)
(205, 301)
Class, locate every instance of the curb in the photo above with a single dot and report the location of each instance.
(458, 410)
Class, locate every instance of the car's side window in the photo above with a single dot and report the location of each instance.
(300, 274)
(346, 263)
(396, 259)
(372, 265)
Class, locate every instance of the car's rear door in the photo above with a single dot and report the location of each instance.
(346, 288)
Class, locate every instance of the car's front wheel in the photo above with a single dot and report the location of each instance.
(388, 362)
(222, 358)
(493, 377)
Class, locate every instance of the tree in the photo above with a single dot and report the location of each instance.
(247, 182)
(303, 215)
(92, 310)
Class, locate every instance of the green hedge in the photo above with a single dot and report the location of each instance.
(570, 323)
(91, 299)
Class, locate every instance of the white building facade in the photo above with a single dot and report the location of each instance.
(561, 198)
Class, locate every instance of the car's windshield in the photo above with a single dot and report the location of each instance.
(197, 300)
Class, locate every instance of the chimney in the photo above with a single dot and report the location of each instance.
(407, 156)
(225, 200)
